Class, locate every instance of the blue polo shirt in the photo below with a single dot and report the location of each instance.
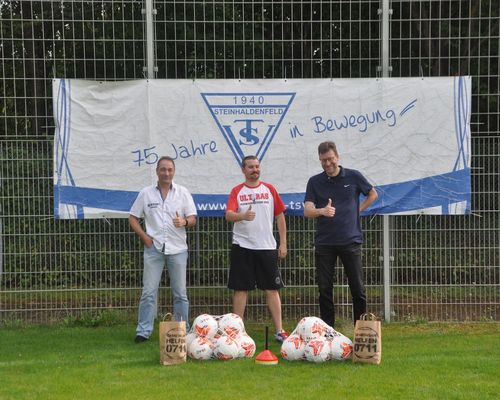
(344, 227)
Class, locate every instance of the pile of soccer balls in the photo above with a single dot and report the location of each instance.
(219, 337)
(314, 340)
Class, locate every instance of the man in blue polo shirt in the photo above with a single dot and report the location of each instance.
(333, 198)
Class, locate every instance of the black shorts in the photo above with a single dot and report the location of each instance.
(254, 268)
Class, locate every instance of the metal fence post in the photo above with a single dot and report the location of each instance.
(385, 69)
(150, 61)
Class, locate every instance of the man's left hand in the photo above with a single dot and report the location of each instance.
(282, 251)
(178, 221)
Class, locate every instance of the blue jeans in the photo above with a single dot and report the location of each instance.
(154, 261)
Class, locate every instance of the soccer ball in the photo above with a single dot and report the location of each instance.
(200, 348)
(190, 337)
(318, 350)
(332, 333)
(293, 348)
(247, 346)
(205, 325)
(232, 325)
(341, 348)
(226, 348)
(312, 328)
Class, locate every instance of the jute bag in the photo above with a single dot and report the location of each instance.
(172, 341)
(367, 340)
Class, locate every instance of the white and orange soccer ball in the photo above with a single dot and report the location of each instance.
(205, 325)
(226, 348)
(190, 337)
(232, 325)
(341, 348)
(318, 350)
(312, 328)
(293, 348)
(247, 346)
(200, 348)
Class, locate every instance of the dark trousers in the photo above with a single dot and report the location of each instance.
(326, 259)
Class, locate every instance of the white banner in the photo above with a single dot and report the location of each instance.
(409, 136)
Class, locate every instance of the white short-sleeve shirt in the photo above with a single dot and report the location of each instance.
(267, 204)
(158, 216)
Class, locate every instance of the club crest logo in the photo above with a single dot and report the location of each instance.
(248, 121)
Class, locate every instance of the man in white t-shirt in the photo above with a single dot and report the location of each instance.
(253, 206)
(168, 209)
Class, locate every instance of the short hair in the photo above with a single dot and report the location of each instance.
(243, 162)
(165, 158)
(326, 147)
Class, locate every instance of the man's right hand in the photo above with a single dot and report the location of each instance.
(249, 215)
(148, 242)
(328, 210)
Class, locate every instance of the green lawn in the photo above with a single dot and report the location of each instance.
(419, 361)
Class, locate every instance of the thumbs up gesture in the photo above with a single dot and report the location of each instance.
(328, 210)
(178, 220)
(249, 215)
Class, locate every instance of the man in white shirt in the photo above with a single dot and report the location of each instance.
(253, 206)
(168, 209)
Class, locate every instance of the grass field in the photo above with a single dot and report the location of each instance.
(419, 361)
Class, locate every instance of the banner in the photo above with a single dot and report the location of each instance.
(409, 136)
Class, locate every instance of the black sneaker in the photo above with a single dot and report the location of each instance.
(140, 339)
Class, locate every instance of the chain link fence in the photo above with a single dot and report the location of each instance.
(441, 267)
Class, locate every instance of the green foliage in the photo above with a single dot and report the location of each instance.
(92, 319)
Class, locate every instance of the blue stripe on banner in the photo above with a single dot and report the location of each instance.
(115, 200)
(439, 190)
(434, 191)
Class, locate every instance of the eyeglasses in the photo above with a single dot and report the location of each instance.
(328, 160)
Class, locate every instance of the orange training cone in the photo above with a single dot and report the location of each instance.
(266, 357)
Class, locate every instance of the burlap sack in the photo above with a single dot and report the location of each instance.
(172, 341)
(367, 341)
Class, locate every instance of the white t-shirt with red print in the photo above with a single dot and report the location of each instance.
(267, 204)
